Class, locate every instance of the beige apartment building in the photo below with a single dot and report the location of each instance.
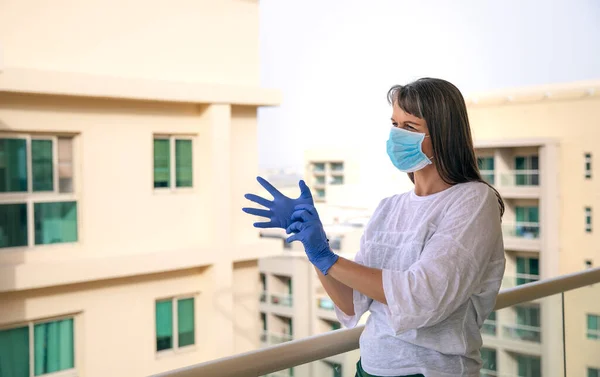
(127, 140)
(537, 147)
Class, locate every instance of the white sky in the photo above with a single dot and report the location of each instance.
(334, 60)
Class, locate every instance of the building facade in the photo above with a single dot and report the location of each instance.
(536, 146)
(127, 140)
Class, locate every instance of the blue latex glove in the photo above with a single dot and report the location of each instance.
(279, 210)
(309, 230)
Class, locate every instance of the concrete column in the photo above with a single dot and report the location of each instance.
(551, 309)
(219, 176)
(221, 323)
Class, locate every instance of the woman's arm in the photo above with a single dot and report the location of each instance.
(366, 280)
(341, 294)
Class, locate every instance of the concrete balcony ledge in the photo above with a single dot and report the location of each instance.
(33, 81)
(79, 268)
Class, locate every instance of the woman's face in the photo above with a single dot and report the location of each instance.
(402, 119)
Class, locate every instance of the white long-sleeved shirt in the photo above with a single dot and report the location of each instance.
(443, 260)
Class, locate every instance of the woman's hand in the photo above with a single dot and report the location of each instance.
(308, 229)
(279, 210)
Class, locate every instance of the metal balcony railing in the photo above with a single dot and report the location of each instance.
(298, 352)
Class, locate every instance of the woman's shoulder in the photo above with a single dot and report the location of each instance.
(470, 196)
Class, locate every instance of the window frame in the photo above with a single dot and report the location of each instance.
(175, 315)
(30, 197)
(72, 372)
(173, 164)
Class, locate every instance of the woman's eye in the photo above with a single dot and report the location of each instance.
(409, 127)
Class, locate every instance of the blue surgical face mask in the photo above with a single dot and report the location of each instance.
(404, 149)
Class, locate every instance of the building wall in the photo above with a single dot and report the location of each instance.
(191, 40)
(115, 320)
(564, 126)
(573, 123)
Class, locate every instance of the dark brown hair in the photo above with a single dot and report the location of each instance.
(442, 106)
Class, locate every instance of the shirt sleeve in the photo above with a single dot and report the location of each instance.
(361, 302)
(451, 265)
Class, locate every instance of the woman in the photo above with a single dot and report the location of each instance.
(431, 260)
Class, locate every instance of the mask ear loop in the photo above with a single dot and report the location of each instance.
(431, 158)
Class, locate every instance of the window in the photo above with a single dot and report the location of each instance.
(335, 325)
(52, 349)
(337, 369)
(593, 326)
(320, 193)
(529, 366)
(528, 324)
(320, 179)
(486, 168)
(318, 166)
(173, 167)
(488, 356)
(489, 325)
(37, 205)
(326, 303)
(527, 173)
(175, 323)
(336, 243)
(337, 166)
(588, 219)
(588, 165)
(528, 270)
(337, 180)
(527, 225)
(593, 372)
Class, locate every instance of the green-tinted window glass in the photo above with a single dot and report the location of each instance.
(593, 322)
(55, 222)
(528, 316)
(183, 163)
(13, 165)
(488, 356)
(485, 163)
(521, 265)
(13, 225)
(520, 214)
(164, 325)
(53, 346)
(185, 322)
(162, 163)
(529, 366)
(534, 214)
(337, 370)
(593, 372)
(534, 266)
(42, 173)
(14, 352)
(335, 325)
